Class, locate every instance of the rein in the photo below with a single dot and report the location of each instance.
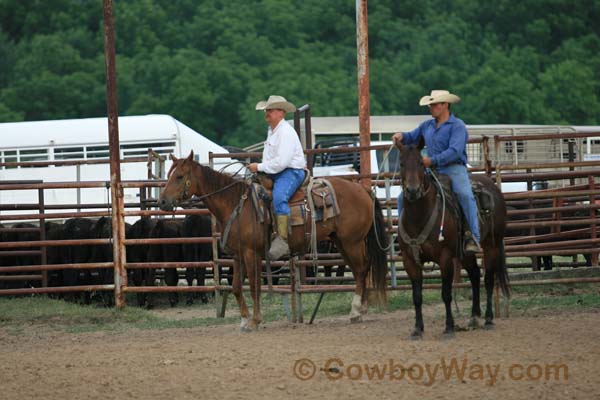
(374, 197)
(416, 243)
(232, 218)
(187, 185)
(234, 215)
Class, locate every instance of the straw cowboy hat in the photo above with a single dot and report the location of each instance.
(439, 96)
(276, 103)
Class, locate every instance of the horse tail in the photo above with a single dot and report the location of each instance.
(377, 241)
(502, 272)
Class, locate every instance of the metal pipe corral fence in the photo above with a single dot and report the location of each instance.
(560, 221)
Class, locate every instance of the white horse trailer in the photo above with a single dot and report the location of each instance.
(87, 139)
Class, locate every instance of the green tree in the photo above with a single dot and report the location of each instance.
(570, 90)
(8, 115)
(51, 80)
(207, 63)
(6, 58)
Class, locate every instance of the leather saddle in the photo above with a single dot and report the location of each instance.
(483, 198)
(322, 203)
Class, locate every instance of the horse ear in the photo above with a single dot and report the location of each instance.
(191, 156)
(421, 143)
(172, 157)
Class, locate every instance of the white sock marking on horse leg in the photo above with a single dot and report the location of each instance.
(356, 303)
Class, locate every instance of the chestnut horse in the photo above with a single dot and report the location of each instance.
(422, 239)
(354, 231)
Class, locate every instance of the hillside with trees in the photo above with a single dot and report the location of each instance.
(208, 62)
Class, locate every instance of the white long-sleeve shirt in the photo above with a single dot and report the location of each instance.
(282, 150)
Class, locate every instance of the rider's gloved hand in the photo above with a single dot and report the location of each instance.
(426, 160)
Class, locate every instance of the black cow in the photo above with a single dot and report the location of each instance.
(14, 236)
(168, 228)
(327, 246)
(142, 229)
(196, 226)
(77, 229)
(54, 254)
(102, 229)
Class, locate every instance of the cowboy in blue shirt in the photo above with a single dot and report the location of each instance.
(446, 140)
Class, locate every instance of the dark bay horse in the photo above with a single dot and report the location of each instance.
(354, 230)
(421, 240)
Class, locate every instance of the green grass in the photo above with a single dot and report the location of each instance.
(535, 299)
(19, 315)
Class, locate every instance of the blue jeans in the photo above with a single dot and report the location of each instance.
(285, 184)
(461, 186)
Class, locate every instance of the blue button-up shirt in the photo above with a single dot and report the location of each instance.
(446, 144)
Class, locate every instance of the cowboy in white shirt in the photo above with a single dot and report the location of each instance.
(283, 160)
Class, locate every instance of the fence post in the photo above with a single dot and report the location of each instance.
(296, 298)
(594, 254)
(43, 249)
(220, 298)
(487, 161)
(388, 207)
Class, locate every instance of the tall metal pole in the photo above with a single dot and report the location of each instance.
(362, 51)
(116, 191)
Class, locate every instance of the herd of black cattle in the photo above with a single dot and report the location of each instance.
(146, 227)
(84, 228)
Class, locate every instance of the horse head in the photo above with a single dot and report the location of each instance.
(179, 183)
(412, 171)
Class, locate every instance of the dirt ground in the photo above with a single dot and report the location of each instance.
(554, 356)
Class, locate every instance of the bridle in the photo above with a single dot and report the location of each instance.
(188, 183)
(421, 190)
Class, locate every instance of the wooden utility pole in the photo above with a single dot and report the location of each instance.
(116, 191)
(362, 51)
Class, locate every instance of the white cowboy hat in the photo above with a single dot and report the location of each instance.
(439, 96)
(276, 103)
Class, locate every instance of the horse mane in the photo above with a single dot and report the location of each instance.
(215, 181)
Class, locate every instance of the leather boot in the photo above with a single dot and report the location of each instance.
(471, 245)
(279, 246)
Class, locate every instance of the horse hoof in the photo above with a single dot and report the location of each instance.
(489, 326)
(245, 326)
(253, 325)
(473, 324)
(448, 335)
(416, 335)
(355, 319)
